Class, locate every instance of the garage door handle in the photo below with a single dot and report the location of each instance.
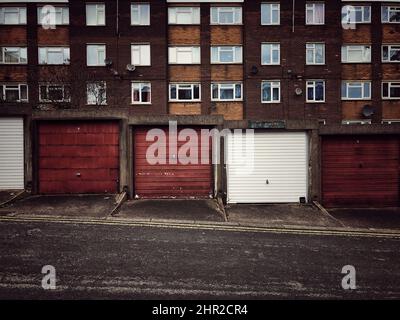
(78, 174)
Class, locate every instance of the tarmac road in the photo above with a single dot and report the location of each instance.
(129, 262)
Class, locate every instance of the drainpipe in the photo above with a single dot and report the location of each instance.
(293, 11)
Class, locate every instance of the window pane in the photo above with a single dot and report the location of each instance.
(196, 91)
(91, 15)
(310, 93)
(395, 91)
(266, 91)
(11, 55)
(238, 91)
(226, 17)
(276, 94)
(266, 53)
(215, 91)
(367, 90)
(319, 91)
(385, 90)
(214, 54)
(173, 92)
(184, 93)
(354, 92)
(145, 14)
(146, 93)
(54, 57)
(226, 55)
(226, 94)
(266, 13)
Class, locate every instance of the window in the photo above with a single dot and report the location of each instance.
(12, 15)
(140, 55)
(13, 55)
(391, 90)
(315, 53)
(95, 54)
(356, 90)
(184, 15)
(226, 15)
(226, 92)
(53, 55)
(315, 13)
(58, 16)
(226, 54)
(270, 53)
(390, 14)
(96, 93)
(140, 14)
(391, 53)
(184, 92)
(14, 92)
(53, 93)
(316, 91)
(141, 93)
(270, 91)
(356, 14)
(184, 55)
(95, 14)
(356, 54)
(270, 13)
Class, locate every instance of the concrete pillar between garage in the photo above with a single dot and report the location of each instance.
(314, 174)
(123, 155)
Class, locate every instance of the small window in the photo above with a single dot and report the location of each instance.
(95, 14)
(270, 14)
(184, 55)
(271, 92)
(391, 53)
(356, 54)
(356, 90)
(96, 54)
(226, 54)
(53, 93)
(140, 55)
(96, 93)
(391, 14)
(13, 55)
(50, 15)
(140, 14)
(226, 92)
(316, 91)
(54, 55)
(270, 54)
(391, 90)
(184, 15)
(184, 92)
(356, 14)
(14, 92)
(13, 15)
(315, 53)
(226, 15)
(315, 13)
(141, 93)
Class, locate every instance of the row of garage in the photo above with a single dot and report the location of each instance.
(85, 157)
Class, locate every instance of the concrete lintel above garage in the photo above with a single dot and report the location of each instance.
(360, 129)
(182, 120)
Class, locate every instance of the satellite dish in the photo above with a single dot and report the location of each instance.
(298, 91)
(130, 67)
(108, 62)
(368, 111)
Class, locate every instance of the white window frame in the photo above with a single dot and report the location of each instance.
(62, 11)
(390, 48)
(233, 10)
(7, 86)
(47, 85)
(22, 53)
(20, 11)
(312, 84)
(275, 84)
(139, 86)
(351, 16)
(313, 5)
(356, 47)
(390, 9)
(88, 102)
(237, 57)
(346, 84)
(173, 54)
(313, 46)
(231, 85)
(100, 7)
(100, 47)
(64, 50)
(174, 12)
(271, 50)
(181, 86)
(390, 85)
(144, 54)
(138, 7)
(271, 6)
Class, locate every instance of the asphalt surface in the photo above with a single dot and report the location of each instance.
(126, 262)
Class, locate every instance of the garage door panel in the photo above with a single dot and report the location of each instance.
(58, 187)
(78, 162)
(81, 151)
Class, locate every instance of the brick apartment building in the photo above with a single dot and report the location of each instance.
(80, 88)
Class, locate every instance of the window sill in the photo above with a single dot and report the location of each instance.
(314, 102)
(272, 102)
(356, 99)
(390, 99)
(141, 104)
(184, 101)
(227, 100)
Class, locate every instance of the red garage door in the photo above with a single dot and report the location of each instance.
(78, 157)
(360, 171)
(169, 180)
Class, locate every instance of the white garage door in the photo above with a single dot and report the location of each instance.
(11, 153)
(274, 171)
